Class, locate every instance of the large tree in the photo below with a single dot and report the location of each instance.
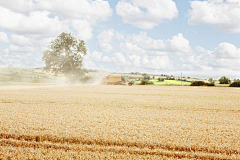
(224, 80)
(66, 55)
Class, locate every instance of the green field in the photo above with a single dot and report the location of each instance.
(167, 82)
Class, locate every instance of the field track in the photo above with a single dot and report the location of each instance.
(119, 122)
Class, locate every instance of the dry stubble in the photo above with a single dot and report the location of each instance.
(119, 122)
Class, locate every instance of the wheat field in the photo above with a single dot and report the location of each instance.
(119, 122)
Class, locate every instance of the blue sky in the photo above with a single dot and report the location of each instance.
(196, 38)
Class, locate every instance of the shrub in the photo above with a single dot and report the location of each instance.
(36, 80)
(201, 83)
(209, 84)
(146, 82)
(160, 79)
(235, 84)
(3, 78)
(197, 83)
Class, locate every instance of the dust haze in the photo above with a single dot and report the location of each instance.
(96, 78)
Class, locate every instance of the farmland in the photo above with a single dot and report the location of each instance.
(119, 122)
(167, 82)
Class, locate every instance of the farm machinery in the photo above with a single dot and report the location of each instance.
(115, 80)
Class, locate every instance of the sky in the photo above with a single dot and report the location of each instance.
(196, 38)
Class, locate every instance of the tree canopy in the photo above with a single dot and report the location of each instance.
(66, 55)
(146, 76)
(211, 80)
(224, 80)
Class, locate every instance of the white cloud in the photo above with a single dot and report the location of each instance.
(106, 59)
(225, 56)
(224, 15)
(227, 50)
(33, 16)
(96, 56)
(119, 36)
(145, 60)
(18, 59)
(104, 39)
(83, 29)
(22, 6)
(157, 62)
(22, 40)
(156, 10)
(119, 59)
(136, 60)
(26, 49)
(178, 44)
(6, 50)
(36, 23)
(146, 42)
(89, 64)
(83, 9)
(3, 37)
(200, 49)
(131, 48)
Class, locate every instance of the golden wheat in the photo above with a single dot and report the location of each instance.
(119, 122)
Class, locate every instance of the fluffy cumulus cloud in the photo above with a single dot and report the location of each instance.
(227, 50)
(142, 51)
(83, 29)
(157, 62)
(83, 14)
(106, 59)
(146, 14)
(18, 58)
(136, 60)
(96, 56)
(223, 14)
(33, 17)
(131, 48)
(83, 9)
(22, 40)
(104, 39)
(146, 42)
(22, 6)
(225, 56)
(37, 23)
(200, 49)
(25, 49)
(119, 59)
(178, 45)
(3, 37)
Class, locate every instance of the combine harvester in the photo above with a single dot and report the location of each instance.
(115, 80)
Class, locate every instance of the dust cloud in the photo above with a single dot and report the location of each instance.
(95, 79)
